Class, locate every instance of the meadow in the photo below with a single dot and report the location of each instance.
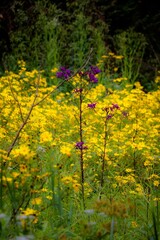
(79, 155)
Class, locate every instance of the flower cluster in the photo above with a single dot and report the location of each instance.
(91, 74)
(109, 110)
(114, 106)
(109, 116)
(93, 71)
(64, 73)
(92, 105)
(79, 145)
(112, 124)
(77, 90)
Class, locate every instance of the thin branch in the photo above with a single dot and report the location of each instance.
(73, 75)
(24, 122)
(16, 100)
(35, 104)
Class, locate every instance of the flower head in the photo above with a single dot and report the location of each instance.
(59, 74)
(91, 74)
(114, 106)
(64, 73)
(109, 116)
(79, 145)
(77, 90)
(92, 105)
(92, 78)
(95, 70)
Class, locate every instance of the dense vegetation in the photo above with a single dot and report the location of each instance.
(47, 33)
(80, 121)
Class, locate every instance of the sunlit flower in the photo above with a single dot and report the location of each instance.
(36, 201)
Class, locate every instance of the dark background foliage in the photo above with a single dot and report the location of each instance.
(22, 24)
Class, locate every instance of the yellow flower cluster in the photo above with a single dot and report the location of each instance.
(122, 128)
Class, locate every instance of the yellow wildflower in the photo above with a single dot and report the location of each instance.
(36, 201)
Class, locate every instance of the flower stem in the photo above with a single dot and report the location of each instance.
(81, 149)
(103, 156)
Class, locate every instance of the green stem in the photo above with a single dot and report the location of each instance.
(81, 150)
(104, 155)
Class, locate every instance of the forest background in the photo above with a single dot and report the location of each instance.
(49, 33)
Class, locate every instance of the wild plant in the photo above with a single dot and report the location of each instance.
(79, 164)
(131, 45)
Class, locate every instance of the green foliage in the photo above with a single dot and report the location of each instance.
(80, 40)
(131, 45)
(51, 37)
(38, 41)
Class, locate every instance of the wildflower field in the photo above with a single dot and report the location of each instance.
(79, 156)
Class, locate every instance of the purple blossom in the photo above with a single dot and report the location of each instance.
(92, 78)
(63, 69)
(92, 105)
(91, 74)
(109, 116)
(78, 90)
(106, 109)
(125, 114)
(95, 70)
(115, 105)
(64, 73)
(59, 74)
(79, 145)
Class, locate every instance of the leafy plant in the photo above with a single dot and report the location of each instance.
(131, 45)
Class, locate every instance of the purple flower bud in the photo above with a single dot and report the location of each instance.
(92, 105)
(115, 105)
(59, 74)
(105, 109)
(92, 78)
(63, 69)
(109, 116)
(95, 70)
(79, 145)
(64, 73)
(78, 90)
(68, 71)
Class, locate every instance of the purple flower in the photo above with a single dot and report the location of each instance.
(92, 105)
(63, 69)
(114, 106)
(64, 73)
(79, 145)
(125, 114)
(78, 90)
(91, 74)
(95, 70)
(92, 78)
(105, 109)
(59, 74)
(109, 116)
